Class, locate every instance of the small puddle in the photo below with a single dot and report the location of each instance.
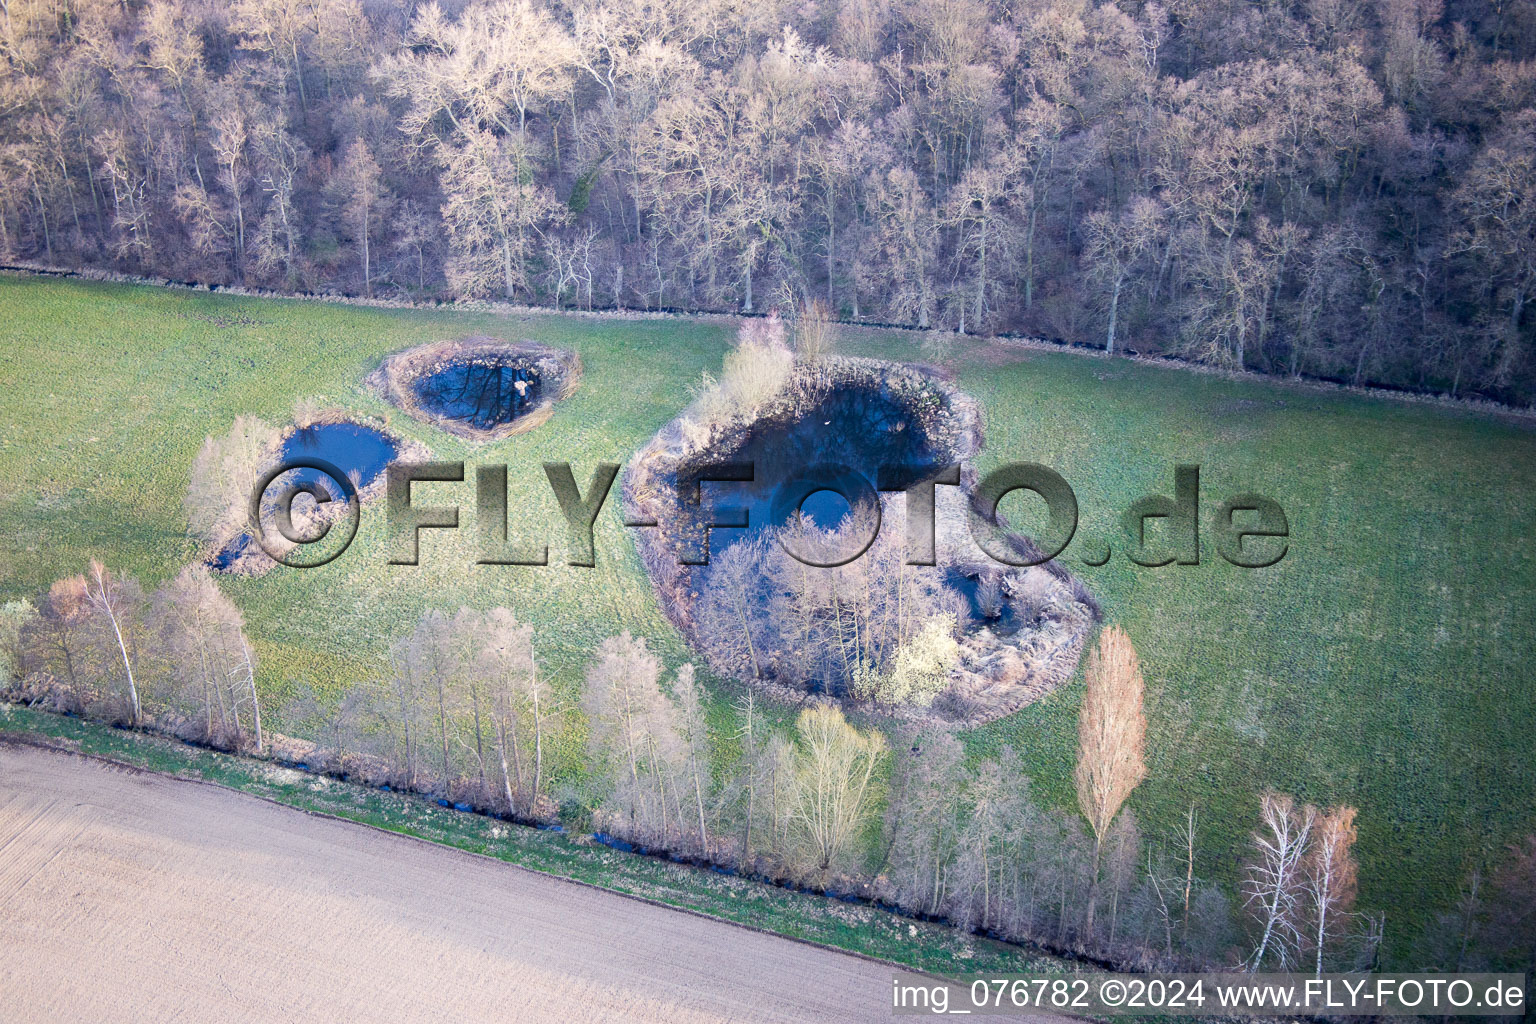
(230, 553)
(986, 605)
(480, 395)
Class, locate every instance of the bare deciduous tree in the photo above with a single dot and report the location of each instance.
(519, 705)
(223, 474)
(1329, 875)
(117, 601)
(695, 738)
(925, 819)
(1273, 886)
(634, 740)
(59, 642)
(209, 659)
(1115, 247)
(365, 203)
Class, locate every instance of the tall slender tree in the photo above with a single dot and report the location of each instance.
(1111, 742)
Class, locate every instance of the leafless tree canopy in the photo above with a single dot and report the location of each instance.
(1273, 887)
(834, 774)
(1343, 189)
(178, 661)
(645, 746)
(210, 682)
(226, 468)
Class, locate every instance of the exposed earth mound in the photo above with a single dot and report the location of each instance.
(481, 389)
(966, 639)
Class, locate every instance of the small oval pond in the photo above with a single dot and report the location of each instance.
(480, 389)
(361, 452)
(351, 447)
(481, 395)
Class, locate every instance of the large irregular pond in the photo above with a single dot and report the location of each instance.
(480, 394)
(841, 615)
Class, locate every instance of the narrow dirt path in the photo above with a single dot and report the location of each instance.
(128, 896)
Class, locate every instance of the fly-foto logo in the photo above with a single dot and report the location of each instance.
(1250, 530)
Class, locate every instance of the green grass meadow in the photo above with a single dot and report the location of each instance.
(1385, 662)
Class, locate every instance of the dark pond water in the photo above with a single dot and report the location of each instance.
(360, 452)
(1004, 618)
(351, 447)
(860, 428)
(482, 395)
(230, 553)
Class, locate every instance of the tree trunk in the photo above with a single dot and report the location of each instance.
(538, 747)
(1093, 892)
(506, 776)
(442, 728)
(1114, 310)
(698, 797)
(746, 835)
(250, 675)
(520, 803)
(367, 273)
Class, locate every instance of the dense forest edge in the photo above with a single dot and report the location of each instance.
(1324, 189)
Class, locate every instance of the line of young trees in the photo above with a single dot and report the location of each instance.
(904, 816)
(464, 713)
(177, 661)
(1327, 187)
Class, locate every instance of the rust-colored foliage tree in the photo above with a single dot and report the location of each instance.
(1512, 924)
(1111, 742)
(59, 644)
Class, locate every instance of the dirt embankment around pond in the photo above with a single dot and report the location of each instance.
(129, 896)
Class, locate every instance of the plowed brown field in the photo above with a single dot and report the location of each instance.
(127, 896)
